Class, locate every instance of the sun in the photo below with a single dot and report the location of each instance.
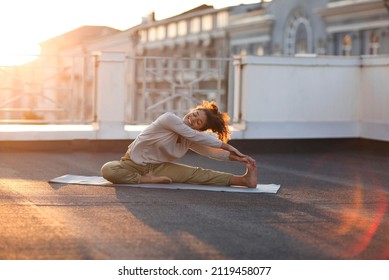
(16, 53)
(19, 35)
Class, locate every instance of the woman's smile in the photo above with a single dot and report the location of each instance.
(196, 119)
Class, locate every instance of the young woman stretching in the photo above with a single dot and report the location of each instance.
(149, 158)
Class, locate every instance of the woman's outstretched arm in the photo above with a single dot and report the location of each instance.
(236, 155)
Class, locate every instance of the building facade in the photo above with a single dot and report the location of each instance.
(278, 27)
(356, 27)
(320, 27)
(173, 63)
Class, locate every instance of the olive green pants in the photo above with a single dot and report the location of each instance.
(128, 172)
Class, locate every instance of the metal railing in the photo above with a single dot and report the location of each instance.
(160, 84)
(62, 89)
(50, 89)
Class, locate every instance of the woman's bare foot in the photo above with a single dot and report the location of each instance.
(249, 179)
(149, 178)
(251, 176)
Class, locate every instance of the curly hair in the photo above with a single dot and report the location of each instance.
(217, 121)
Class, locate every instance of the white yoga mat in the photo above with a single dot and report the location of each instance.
(100, 181)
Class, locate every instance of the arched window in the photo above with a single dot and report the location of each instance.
(298, 34)
(301, 39)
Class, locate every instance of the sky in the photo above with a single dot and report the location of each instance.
(26, 23)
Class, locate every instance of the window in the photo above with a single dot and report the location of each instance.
(195, 25)
(235, 50)
(206, 23)
(374, 44)
(143, 36)
(182, 28)
(222, 19)
(161, 32)
(172, 30)
(301, 39)
(298, 34)
(320, 47)
(152, 34)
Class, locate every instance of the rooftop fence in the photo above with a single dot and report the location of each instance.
(113, 96)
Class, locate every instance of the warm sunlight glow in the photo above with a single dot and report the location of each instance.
(46, 128)
(19, 53)
(24, 24)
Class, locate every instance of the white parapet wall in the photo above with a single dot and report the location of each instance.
(312, 97)
(374, 121)
(111, 96)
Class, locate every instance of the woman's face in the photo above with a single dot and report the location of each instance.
(196, 119)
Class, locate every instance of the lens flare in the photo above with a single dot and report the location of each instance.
(359, 219)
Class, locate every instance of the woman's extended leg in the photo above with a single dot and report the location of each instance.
(180, 173)
(127, 172)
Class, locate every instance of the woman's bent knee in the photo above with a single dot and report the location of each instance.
(119, 173)
(108, 170)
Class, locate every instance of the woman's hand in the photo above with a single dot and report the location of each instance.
(244, 159)
(235, 155)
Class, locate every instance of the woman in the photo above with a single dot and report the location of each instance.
(149, 158)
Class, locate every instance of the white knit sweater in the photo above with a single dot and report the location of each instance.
(169, 138)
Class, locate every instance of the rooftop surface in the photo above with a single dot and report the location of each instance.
(332, 204)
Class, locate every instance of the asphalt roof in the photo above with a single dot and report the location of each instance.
(332, 204)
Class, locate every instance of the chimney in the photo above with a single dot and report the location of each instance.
(149, 18)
